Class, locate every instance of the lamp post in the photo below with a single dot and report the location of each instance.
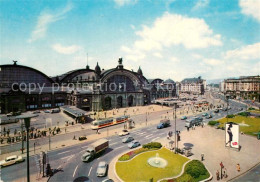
(27, 119)
(175, 126)
(227, 97)
(146, 119)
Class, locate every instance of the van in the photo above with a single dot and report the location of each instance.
(196, 121)
(163, 124)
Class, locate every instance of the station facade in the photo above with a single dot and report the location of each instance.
(24, 88)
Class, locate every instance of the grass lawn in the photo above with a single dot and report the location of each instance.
(198, 167)
(138, 169)
(253, 124)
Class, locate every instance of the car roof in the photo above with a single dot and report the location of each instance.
(102, 163)
(11, 157)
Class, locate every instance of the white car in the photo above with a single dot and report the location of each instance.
(102, 169)
(11, 160)
(123, 133)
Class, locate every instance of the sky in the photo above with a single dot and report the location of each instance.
(174, 39)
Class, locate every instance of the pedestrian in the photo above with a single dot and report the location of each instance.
(238, 167)
(202, 157)
(97, 131)
(225, 173)
(188, 128)
(217, 175)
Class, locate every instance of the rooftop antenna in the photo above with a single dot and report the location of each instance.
(14, 62)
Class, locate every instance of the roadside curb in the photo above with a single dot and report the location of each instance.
(244, 172)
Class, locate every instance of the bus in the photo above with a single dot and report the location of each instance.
(108, 122)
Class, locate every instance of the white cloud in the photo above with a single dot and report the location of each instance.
(213, 62)
(45, 19)
(132, 26)
(246, 52)
(173, 29)
(174, 60)
(200, 4)
(157, 54)
(250, 8)
(66, 49)
(125, 2)
(133, 55)
(197, 56)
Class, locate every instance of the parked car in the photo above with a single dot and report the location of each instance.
(11, 160)
(123, 133)
(107, 180)
(224, 109)
(240, 109)
(216, 111)
(36, 112)
(127, 139)
(208, 116)
(47, 111)
(183, 117)
(102, 169)
(134, 144)
(205, 114)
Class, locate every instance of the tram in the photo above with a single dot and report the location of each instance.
(108, 122)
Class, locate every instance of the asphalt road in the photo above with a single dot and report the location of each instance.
(252, 176)
(68, 161)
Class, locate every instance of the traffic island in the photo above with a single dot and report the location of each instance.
(139, 169)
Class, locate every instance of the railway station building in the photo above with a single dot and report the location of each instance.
(24, 88)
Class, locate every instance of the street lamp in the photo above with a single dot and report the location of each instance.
(27, 119)
(175, 104)
(146, 119)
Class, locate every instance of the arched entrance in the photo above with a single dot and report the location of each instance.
(108, 104)
(119, 101)
(130, 100)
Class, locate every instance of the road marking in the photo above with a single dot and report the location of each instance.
(150, 129)
(119, 147)
(75, 171)
(140, 133)
(59, 167)
(113, 143)
(155, 138)
(67, 156)
(63, 152)
(154, 131)
(89, 171)
(149, 135)
(84, 147)
(162, 134)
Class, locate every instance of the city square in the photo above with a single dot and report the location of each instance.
(130, 90)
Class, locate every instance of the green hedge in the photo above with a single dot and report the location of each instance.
(146, 147)
(244, 114)
(195, 169)
(153, 145)
(251, 108)
(230, 116)
(213, 123)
